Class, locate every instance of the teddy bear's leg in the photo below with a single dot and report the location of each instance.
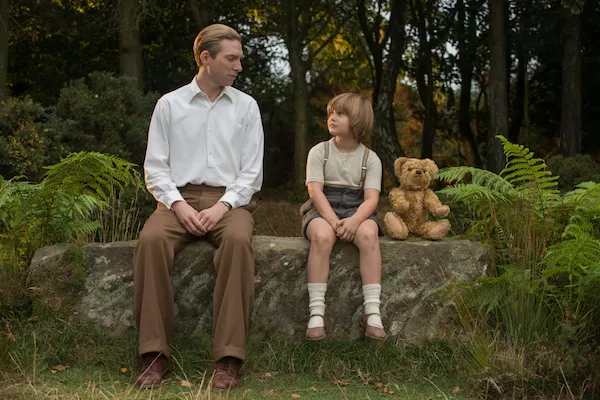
(434, 230)
(395, 226)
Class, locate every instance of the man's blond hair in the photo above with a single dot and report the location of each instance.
(210, 38)
(359, 112)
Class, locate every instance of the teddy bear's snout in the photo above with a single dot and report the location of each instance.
(418, 172)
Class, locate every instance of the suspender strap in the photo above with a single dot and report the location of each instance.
(363, 171)
(326, 156)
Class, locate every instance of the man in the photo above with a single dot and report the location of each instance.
(203, 164)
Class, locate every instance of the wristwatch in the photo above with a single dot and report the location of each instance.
(228, 205)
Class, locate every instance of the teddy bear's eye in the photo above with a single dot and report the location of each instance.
(410, 169)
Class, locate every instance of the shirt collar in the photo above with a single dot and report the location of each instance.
(195, 89)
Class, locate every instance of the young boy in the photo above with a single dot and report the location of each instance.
(343, 178)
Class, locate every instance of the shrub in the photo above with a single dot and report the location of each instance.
(526, 323)
(105, 114)
(574, 170)
(23, 139)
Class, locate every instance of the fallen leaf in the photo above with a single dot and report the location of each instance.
(295, 396)
(271, 392)
(185, 383)
(455, 389)
(9, 334)
(60, 367)
(314, 389)
(53, 371)
(267, 375)
(342, 382)
(378, 386)
(123, 370)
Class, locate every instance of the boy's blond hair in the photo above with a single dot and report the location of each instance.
(359, 112)
(210, 38)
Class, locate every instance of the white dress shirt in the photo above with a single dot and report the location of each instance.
(194, 140)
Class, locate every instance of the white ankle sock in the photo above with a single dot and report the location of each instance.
(372, 294)
(316, 304)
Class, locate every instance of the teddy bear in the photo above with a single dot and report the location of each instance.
(413, 200)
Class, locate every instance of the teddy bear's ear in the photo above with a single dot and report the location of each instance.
(432, 168)
(398, 165)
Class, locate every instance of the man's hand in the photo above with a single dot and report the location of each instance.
(188, 217)
(347, 229)
(211, 216)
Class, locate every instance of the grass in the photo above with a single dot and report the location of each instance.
(96, 383)
(59, 360)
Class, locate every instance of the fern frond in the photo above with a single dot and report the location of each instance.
(522, 167)
(91, 172)
(477, 176)
(572, 255)
(471, 193)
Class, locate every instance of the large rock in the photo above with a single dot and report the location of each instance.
(413, 271)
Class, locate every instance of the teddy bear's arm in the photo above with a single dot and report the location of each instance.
(398, 200)
(434, 205)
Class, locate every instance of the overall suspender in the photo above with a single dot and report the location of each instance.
(363, 171)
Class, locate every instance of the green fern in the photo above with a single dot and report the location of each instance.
(62, 206)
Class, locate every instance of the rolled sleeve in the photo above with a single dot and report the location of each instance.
(374, 172)
(157, 171)
(250, 178)
(314, 164)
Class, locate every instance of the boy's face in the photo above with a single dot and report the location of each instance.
(227, 64)
(338, 124)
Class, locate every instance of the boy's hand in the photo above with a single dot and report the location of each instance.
(347, 229)
(335, 224)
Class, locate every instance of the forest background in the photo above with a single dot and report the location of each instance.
(445, 76)
(502, 94)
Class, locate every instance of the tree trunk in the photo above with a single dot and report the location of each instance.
(426, 92)
(4, 4)
(130, 47)
(300, 96)
(385, 136)
(425, 84)
(498, 92)
(570, 113)
(294, 41)
(521, 44)
(467, 51)
(519, 104)
(199, 17)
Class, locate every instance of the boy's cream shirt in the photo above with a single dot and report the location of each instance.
(343, 169)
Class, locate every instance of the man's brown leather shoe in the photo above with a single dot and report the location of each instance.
(153, 368)
(226, 374)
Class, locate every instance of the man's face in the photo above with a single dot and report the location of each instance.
(223, 69)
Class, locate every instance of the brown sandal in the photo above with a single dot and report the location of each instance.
(317, 333)
(372, 332)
